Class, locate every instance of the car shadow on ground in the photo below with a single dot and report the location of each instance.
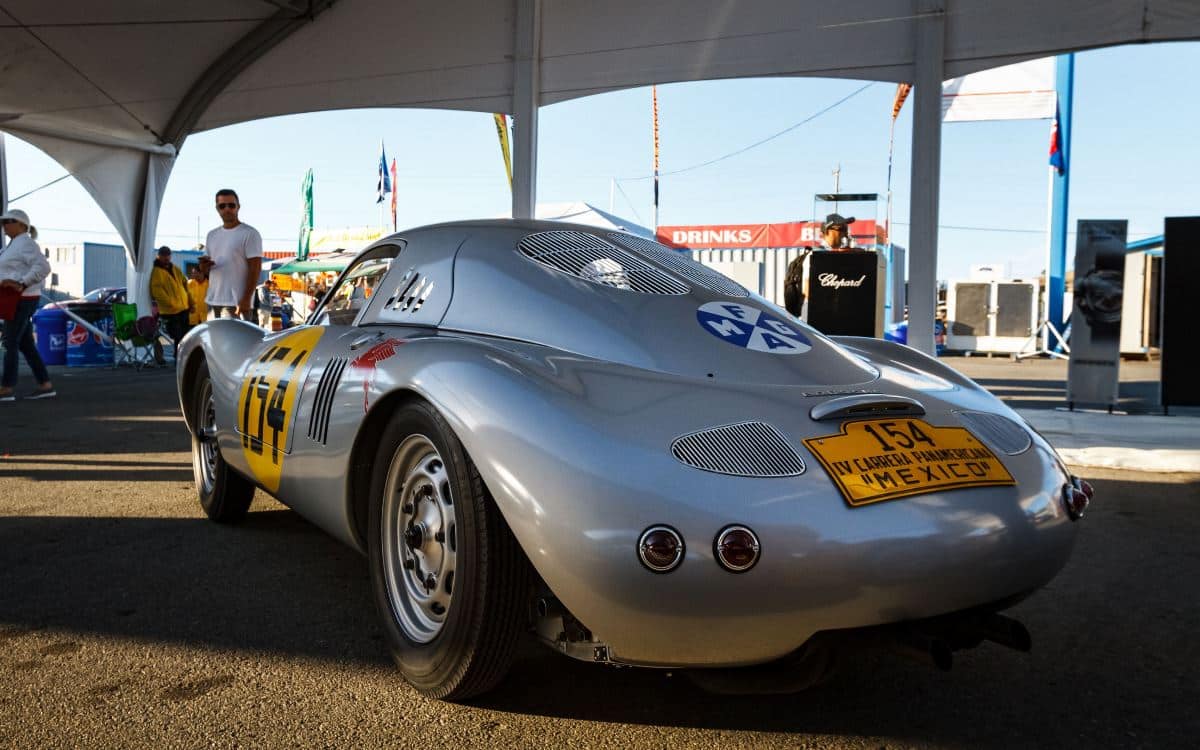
(1099, 674)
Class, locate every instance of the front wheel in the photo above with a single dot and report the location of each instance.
(225, 495)
(449, 579)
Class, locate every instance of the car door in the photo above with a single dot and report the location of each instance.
(282, 383)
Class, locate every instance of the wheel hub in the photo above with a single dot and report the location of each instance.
(419, 541)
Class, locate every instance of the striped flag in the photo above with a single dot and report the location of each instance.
(1057, 159)
(384, 185)
(395, 188)
(502, 134)
(654, 97)
(902, 91)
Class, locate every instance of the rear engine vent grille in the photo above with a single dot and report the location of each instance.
(1000, 432)
(681, 264)
(747, 449)
(588, 257)
(411, 293)
(318, 425)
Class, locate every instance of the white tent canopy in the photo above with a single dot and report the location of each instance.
(579, 212)
(111, 90)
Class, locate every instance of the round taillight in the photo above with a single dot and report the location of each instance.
(660, 549)
(1075, 500)
(736, 549)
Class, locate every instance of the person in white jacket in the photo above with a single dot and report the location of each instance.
(23, 267)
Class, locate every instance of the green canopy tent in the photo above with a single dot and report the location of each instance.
(336, 262)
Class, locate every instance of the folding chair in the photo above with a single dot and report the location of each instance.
(133, 337)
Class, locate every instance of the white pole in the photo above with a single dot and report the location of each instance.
(527, 91)
(1044, 308)
(926, 173)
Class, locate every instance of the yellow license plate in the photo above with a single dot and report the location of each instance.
(883, 459)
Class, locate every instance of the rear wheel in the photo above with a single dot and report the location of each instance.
(450, 581)
(225, 495)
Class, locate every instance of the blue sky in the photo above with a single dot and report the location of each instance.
(1134, 156)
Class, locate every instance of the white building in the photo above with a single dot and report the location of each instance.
(79, 268)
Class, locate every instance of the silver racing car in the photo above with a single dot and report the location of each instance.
(533, 427)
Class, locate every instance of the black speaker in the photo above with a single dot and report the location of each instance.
(1180, 270)
(845, 293)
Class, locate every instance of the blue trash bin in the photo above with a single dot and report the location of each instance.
(84, 348)
(898, 332)
(50, 332)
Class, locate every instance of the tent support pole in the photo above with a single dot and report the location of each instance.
(926, 173)
(3, 186)
(527, 85)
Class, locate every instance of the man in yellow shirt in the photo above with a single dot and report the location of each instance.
(169, 291)
(197, 287)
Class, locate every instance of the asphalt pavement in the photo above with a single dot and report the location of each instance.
(128, 620)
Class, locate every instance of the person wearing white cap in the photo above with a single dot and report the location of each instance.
(23, 267)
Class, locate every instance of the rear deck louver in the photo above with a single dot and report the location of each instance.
(1000, 432)
(746, 449)
(318, 425)
(681, 264)
(411, 292)
(591, 258)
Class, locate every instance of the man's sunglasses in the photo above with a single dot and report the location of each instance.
(226, 205)
(8, 221)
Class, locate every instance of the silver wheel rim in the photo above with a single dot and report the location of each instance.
(419, 541)
(206, 441)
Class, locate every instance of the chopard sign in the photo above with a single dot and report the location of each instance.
(835, 281)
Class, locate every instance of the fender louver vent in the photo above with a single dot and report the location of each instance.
(1000, 432)
(411, 293)
(747, 449)
(318, 426)
(694, 272)
(588, 257)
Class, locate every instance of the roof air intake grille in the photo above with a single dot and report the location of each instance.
(680, 263)
(318, 425)
(588, 257)
(1000, 432)
(746, 449)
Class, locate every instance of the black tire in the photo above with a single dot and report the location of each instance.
(429, 508)
(224, 494)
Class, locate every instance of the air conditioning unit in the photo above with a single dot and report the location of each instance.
(990, 316)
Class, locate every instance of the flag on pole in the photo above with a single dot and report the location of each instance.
(384, 185)
(654, 99)
(395, 188)
(306, 217)
(902, 91)
(502, 134)
(1057, 160)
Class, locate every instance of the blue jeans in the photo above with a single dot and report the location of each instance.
(18, 335)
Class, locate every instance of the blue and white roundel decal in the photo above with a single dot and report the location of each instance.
(751, 328)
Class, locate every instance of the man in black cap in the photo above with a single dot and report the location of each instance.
(835, 232)
(835, 235)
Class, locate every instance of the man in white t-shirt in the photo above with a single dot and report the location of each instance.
(233, 262)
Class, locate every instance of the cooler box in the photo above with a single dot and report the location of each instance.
(50, 333)
(84, 348)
